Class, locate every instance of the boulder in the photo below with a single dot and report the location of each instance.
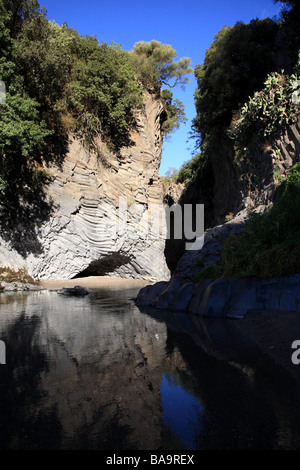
(166, 298)
(243, 297)
(214, 301)
(148, 295)
(290, 293)
(19, 286)
(78, 291)
(198, 294)
(182, 297)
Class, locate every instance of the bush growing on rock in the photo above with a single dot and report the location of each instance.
(59, 83)
(270, 243)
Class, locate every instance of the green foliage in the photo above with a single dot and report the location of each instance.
(210, 271)
(21, 12)
(156, 66)
(22, 131)
(171, 172)
(45, 60)
(60, 83)
(83, 86)
(265, 113)
(290, 22)
(22, 136)
(175, 113)
(235, 66)
(10, 275)
(104, 92)
(242, 63)
(270, 244)
(190, 169)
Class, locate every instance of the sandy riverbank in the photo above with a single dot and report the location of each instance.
(94, 282)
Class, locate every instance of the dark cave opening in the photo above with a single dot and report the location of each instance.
(104, 266)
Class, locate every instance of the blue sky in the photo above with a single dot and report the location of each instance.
(189, 26)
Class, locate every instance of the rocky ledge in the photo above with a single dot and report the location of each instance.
(220, 298)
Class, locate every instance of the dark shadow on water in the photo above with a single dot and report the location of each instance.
(249, 402)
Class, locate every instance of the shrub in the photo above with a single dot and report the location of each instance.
(208, 272)
(264, 114)
(269, 245)
(10, 275)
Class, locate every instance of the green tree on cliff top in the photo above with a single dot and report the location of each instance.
(156, 65)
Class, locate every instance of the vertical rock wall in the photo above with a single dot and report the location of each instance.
(88, 231)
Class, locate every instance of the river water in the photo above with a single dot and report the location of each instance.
(98, 373)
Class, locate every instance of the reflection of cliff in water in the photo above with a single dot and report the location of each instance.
(24, 424)
(104, 366)
(97, 373)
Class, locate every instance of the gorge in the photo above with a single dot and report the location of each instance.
(118, 336)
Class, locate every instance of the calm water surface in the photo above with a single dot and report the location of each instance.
(99, 373)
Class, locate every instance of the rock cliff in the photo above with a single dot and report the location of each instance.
(100, 207)
(227, 189)
(221, 297)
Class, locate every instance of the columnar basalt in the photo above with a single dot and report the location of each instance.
(84, 194)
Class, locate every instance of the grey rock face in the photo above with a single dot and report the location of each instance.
(87, 230)
(195, 301)
(215, 298)
(233, 299)
(211, 251)
(220, 298)
(148, 295)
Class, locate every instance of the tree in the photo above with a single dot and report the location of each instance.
(171, 172)
(289, 3)
(156, 65)
(235, 66)
(21, 11)
(22, 131)
(175, 114)
(290, 16)
(104, 92)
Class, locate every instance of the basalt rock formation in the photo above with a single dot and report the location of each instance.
(227, 189)
(223, 298)
(89, 230)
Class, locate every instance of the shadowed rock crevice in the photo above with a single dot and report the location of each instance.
(25, 204)
(104, 266)
(20, 222)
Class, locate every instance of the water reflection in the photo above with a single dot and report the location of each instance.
(97, 373)
(182, 411)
